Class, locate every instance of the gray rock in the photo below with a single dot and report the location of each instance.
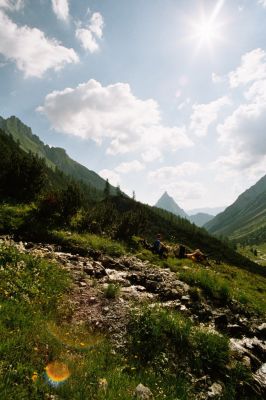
(215, 391)
(260, 376)
(143, 392)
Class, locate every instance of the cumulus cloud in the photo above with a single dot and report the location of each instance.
(131, 166)
(244, 133)
(183, 190)
(112, 113)
(12, 5)
(176, 180)
(252, 68)
(169, 174)
(205, 114)
(185, 103)
(217, 78)
(31, 50)
(151, 154)
(263, 3)
(90, 35)
(112, 176)
(61, 9)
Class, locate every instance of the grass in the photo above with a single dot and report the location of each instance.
(86, 241)
(12, 217)
(248, 251)
(36, 338)
(171, 344)
(220, 282)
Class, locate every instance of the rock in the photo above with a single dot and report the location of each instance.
(260, 377)
(221, 322)
(262, 330)
(143, 392)
(215, 391)
(246, 361)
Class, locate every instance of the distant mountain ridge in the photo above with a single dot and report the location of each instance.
(167, 203)
(206, 210)
(200, 219)
(245, 219)
(54, 156)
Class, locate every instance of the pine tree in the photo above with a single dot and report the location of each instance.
(107, 189)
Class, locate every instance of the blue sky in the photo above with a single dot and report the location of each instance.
(154, 94)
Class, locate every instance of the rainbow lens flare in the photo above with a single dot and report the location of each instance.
(57, 373)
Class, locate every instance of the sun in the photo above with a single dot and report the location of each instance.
(206, 31)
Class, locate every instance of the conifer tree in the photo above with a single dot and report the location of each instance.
(107, 189)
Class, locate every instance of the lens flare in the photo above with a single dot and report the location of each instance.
(57, 373)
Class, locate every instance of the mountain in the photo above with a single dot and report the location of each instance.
(167, 203)
(245, 219)
(206, 210)
(54, 156)
(200, 219)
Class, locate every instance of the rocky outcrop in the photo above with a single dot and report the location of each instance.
(138, 283)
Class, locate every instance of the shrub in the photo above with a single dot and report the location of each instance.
(112, 291)
(210, 351)
(157, 331)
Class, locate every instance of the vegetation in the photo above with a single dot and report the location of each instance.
(44, 356)
(112, 291)
(170, 343)
(245, 220)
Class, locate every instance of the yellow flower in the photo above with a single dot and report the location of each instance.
(34, 376)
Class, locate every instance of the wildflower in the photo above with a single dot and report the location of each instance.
(34, 376)
(103, 384)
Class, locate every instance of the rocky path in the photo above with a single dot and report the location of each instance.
(142, 283)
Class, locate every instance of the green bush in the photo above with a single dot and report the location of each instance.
(212, 284)
(112, 291)
(87, 241)
(155, 331)
(210, 351)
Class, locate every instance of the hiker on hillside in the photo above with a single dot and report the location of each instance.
(197, 256)
(158, 247)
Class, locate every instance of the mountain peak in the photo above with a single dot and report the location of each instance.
(167, 203)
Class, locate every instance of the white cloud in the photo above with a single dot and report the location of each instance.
(151, 154)
(12, 5)
(113, 113)
(257, 92)
(61, 9)
(32, 52)
(169, 174)
(217, 78)
(244, 134)
(112, 176)
(90, 35)
(205, 114)
(131, 166)
(185, 103)
(252, 68)
(263, 3)
(184, 190)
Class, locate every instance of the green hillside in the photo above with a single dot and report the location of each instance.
(245, 219)
(54, 156)
(61, 203)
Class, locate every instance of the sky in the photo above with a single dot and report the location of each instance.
(155, 95)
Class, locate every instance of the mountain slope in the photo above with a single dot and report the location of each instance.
(245, 219)
(54, 156)
(167, 203)
(200, 219)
